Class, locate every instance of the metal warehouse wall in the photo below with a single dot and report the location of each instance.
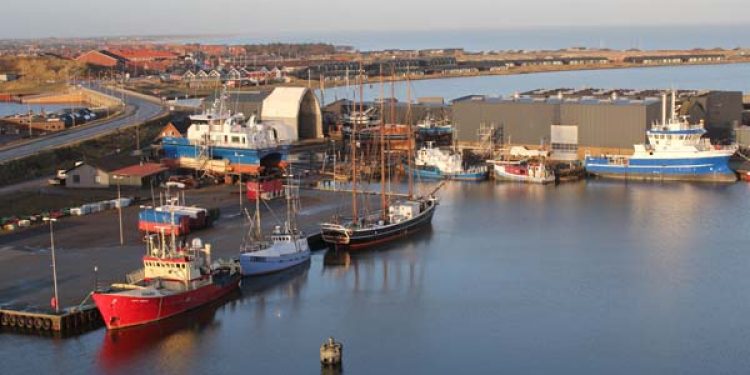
(599, 125)
(724, 113)
(610, 125)
(522, 123)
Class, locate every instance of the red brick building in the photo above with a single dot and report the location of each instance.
(98, 58)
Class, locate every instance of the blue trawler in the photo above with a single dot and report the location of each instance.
(221, 141)
(676, 150)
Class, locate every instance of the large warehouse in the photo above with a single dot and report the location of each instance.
(606, 121)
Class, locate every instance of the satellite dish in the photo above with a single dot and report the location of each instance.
(197, 243)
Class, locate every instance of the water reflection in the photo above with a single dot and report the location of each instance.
(395, 266)
(259, 293)
(161, 340)
(180, 336)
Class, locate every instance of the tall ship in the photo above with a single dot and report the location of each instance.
(174, 279)
(222, 141)
(287, 246)
(392, 221)
(676, 150)
(433, 163)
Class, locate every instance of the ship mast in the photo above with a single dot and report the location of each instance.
(383, 202)
(258, 233)
(410, 135)
(353, 150)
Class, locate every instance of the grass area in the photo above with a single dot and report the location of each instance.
(25, 87)
(39, 74)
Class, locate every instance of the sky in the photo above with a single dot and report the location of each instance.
(86, 18)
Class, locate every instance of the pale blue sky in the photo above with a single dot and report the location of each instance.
(44, 18)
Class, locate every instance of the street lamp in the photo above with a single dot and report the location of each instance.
(119, 206)
(54, 262)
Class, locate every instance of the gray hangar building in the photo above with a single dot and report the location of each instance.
(606, 121)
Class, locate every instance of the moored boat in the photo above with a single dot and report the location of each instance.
(676, 151)
(434, 163)
(402, 218)
(535, 172)
(173, 280)
(430, 127)
(287, 247)
(394, 219)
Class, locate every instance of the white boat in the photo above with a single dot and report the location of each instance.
(431, 162)
(523, 171)
(286, 248)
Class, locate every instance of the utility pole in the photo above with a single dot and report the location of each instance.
(119, 207)
(54, 261)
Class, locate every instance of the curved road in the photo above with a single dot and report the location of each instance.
(139, 110)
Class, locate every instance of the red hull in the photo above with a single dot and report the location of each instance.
(119, 310)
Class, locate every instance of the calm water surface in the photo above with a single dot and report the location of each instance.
(532, 38)
(587, 278)
(710, 77)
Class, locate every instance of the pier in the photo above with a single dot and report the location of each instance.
(24, 319)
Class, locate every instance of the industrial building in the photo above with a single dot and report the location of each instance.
(606, 121)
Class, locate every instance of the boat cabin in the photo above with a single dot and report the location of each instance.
(403, 210)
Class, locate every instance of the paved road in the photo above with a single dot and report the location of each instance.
(139, 110)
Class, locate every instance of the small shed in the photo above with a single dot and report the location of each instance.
(86, 175)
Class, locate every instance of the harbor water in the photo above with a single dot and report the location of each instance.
(672, 36)
(734, 77)
(587, 278)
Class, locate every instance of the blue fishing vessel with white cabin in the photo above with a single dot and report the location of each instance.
(222, 141)
(676, 150)
(434, 163)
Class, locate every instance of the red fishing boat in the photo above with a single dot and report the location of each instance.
(173, 280)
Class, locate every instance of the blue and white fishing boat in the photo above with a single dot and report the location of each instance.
(225, 141)
(676, 150)
(429, 127)
(434, 163)
(286, 247)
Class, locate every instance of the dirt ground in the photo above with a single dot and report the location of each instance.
(85, 242)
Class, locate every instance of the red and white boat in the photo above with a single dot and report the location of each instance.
(534, 172)
(173, 280)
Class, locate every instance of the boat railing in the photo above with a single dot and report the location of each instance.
(332, 226)
(254, 246)
(136, 276)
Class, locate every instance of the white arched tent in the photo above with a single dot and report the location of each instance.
(294, 112)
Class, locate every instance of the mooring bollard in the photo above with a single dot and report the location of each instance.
(331, 352)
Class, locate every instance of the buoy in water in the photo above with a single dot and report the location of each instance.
(331, 352)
